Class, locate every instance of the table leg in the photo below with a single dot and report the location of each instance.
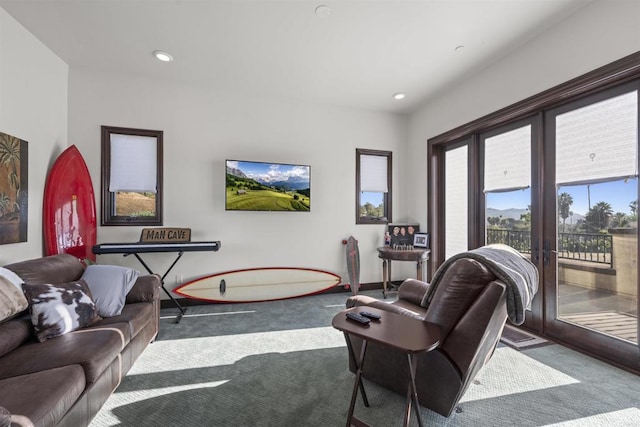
(419, 270)
(385, 276)
(175, 301)
(358, 381)
(412, 392)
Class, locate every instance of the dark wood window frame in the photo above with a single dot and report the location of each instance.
(593, 84)
(387, 196)
(108, 213)
(608, 76)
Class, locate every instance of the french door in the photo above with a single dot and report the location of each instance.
(590, 224)
(561, 187)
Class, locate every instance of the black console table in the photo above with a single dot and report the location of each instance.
(138, 248)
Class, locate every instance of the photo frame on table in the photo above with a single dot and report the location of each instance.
(421, 240)
(402, 234)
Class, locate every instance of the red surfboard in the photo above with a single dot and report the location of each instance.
(69, 211)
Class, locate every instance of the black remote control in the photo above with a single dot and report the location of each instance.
(358, 318)
(370, 315)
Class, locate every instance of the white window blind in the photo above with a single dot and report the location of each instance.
(373, 174)
(507, 160)
(133, 163)
(456, 201)
(598, 142)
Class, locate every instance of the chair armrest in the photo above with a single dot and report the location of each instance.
(146, 289)
(367, 301)
(413, 291)
(360, 300)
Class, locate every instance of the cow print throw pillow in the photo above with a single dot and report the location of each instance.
(60, 309)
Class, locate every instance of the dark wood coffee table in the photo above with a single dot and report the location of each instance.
(409, 335)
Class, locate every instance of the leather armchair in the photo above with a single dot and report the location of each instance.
(469, 305)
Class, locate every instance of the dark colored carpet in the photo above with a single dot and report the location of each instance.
(282, 364)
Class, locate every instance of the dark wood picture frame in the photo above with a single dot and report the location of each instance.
(108, 211)
(387, 197)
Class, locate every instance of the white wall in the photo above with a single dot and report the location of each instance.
(595, 36)
(33, 107)
(201, 130)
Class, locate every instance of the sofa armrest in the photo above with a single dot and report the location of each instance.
(146, 289)
(367, 301)
(413, 291)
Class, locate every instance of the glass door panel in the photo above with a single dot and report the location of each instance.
(507, 187)
(457, 201)
(508, 219)
(597, 257)
(596, 233)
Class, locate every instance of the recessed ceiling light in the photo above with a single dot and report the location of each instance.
(162, 56)
(399, 95)
(323, 11)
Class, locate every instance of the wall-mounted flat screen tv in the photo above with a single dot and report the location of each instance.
(262, 186)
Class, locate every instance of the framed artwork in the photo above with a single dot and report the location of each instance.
(402, 234)
(421, 240)
(14, 161)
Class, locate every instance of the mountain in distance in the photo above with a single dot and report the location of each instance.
(293, 183)
(516, 213)
(236, 172)
(506, 213)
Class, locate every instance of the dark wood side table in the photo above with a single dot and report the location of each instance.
(409, 335)
(419, 256)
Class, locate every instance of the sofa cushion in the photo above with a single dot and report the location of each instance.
(13, 333)
(61, 268)
(146, 289)
(59, 309)
(42, 398)
(12, 300)
(109, 286)
(134, 316)
(93, 349)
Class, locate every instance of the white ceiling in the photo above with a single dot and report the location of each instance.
(357, 57)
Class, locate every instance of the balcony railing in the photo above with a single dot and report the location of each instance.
(596, 248)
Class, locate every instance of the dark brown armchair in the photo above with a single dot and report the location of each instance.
(469, 304)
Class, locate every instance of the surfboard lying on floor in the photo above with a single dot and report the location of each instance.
(258, 284)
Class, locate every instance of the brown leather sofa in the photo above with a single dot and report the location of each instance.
(64, 381)
(469, 305)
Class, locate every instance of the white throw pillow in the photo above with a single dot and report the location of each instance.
(12, 300)
(109, 286)
(12, 277)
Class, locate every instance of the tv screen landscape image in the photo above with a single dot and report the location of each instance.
(261, 186)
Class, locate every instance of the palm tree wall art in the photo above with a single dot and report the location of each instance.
(13, 189)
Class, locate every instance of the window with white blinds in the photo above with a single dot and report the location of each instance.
(507, 161)
(598, 142)
(456, 201)
(131, 184)
(133, 163)
(373, 186)
(373, 174)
